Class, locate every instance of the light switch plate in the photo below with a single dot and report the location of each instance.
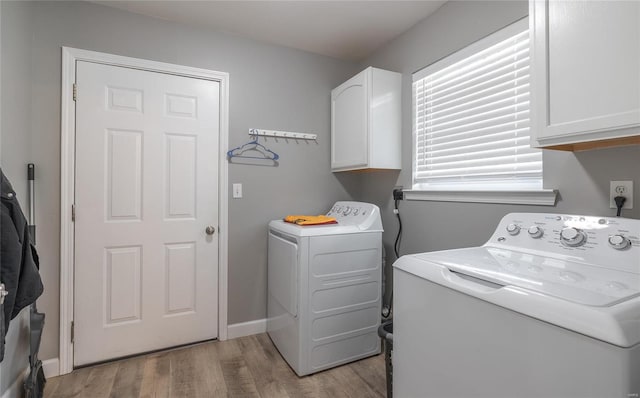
(237, 191)
(621, 188)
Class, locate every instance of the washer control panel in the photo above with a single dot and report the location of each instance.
(364, 215)
(595, 240)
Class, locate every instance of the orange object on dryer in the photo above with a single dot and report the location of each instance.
(310, 220)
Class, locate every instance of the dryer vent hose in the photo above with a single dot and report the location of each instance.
(387, 308)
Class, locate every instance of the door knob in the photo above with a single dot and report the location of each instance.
(210, 230)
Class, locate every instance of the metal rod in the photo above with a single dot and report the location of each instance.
(31, 171)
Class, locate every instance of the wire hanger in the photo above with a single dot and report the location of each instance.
(255, 146)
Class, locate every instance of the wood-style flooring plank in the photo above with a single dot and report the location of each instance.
(351, 385)
(73, 386)
(128, 379)
(264, 369)
(371, 371)
(209, 372)
(182, 380)
(51, 386)
(156, 377)
(236, 374)
(100, 381)
(238, 379)
(246, 367)
(293, 385)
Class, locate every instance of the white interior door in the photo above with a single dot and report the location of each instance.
(146, 270)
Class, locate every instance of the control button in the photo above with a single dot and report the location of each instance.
(535, 231)
(535, 268)
(511, 265)
(572, 237)
(617, 285)
(602, 221)
(347, 211)
(619, 242)
(569, 276)
(513, 229)
(356, 211)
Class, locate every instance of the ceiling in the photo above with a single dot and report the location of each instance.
(349, 30)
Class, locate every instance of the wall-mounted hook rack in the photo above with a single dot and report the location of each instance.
(282, 134)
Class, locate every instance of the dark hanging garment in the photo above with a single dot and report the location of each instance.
(18, 257)
(2, 332)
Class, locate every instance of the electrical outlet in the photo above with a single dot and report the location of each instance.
(398, 194)
(621, 188)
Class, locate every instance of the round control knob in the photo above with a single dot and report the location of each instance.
(513, 229)
(619, 242)
(572, 237)
(347, 211)
(535, 231)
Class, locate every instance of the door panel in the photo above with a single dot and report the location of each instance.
(123, 290)
(283, 273)
(349, 123)
(181, 176)
(124, 175)
(146, 273)
(181, 278)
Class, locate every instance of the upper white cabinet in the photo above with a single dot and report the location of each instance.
(366, 121)
(586, 73)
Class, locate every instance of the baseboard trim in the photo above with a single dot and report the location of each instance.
(51, 367)
(246, 328)
(16, 389)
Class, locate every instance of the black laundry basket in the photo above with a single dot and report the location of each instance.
(385, 331)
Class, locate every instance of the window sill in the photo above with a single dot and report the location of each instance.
(542, 197)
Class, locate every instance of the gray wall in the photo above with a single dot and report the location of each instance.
(582, 178)
(275, 88)
(15, 25)
(270, 87)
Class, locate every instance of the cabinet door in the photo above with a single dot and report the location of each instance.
(586, 69)
(349, 124)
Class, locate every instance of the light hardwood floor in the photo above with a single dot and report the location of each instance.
(245, 367)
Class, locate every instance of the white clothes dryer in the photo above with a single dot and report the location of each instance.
(324, 288)
(548, 307)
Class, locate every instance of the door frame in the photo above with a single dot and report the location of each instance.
(67, 182)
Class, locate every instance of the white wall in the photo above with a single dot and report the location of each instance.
(270, 87)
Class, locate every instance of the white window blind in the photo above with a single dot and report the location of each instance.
(471, 118)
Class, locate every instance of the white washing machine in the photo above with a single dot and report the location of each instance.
(548, 307)
(324, 288)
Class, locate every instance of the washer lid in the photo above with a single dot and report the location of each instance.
(576, 282)
(593, 301)
(314, 230)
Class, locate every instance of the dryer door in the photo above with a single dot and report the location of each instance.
(283, 271)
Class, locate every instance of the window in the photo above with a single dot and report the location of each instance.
(471, 119)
